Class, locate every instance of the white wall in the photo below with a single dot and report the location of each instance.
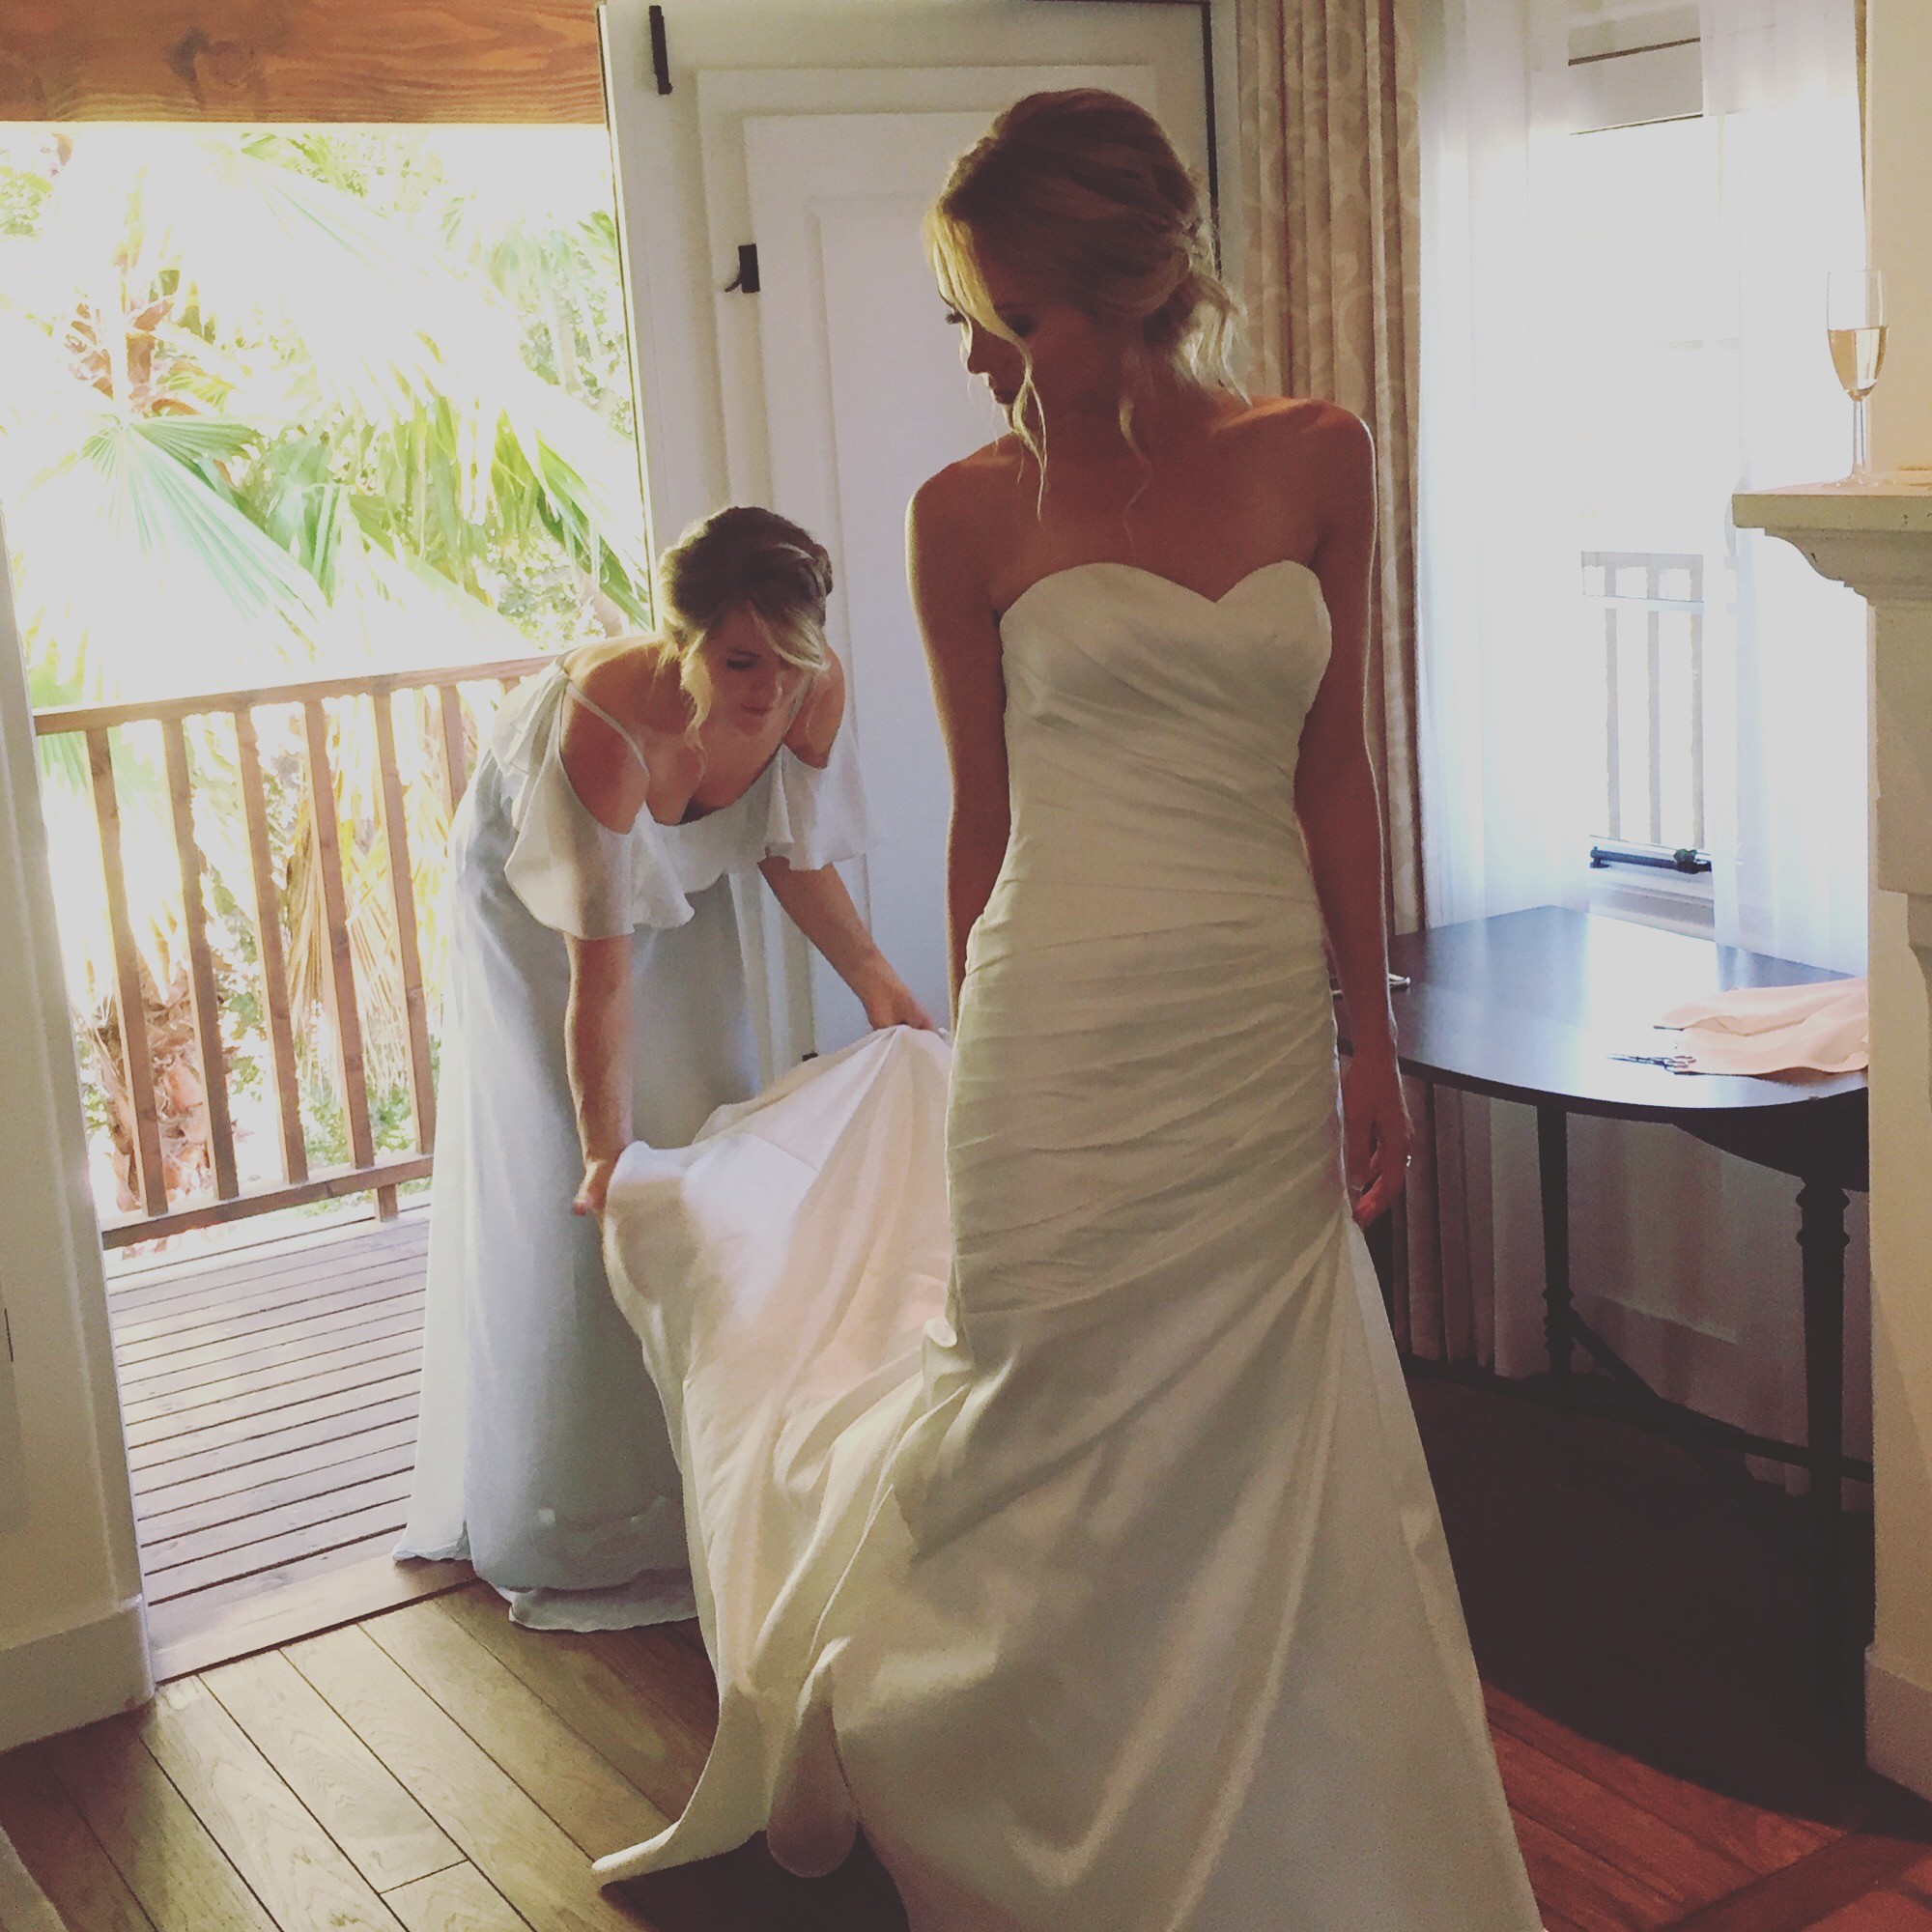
(73, 1636)
(668, 255)
(1899, 1670)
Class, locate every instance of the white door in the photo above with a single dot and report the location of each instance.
(818, 133)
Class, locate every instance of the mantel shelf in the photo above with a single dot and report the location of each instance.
(1876, 537)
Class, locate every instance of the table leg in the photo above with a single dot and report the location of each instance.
(1822, 1238)
(1553, 1163)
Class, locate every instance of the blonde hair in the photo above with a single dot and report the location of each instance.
(1081, 195)
(743, 557)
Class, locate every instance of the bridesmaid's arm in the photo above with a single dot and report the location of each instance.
(962, 650)
(1341, 819)
(818, 904)
(597, 1053)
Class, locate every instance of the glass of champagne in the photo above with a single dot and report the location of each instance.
(1855, 328)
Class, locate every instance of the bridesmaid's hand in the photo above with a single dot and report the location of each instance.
(888, 1001)
(1375, 1136)
(595, 1185)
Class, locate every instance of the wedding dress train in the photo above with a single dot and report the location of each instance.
(1082, 1552)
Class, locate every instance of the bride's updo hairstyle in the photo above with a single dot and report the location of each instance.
(1081, 195)
(743, 557)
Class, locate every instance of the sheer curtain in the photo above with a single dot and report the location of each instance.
(1500, 610)
(1791, 874)
(1673, 1245)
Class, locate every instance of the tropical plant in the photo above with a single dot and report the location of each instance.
(295, 404)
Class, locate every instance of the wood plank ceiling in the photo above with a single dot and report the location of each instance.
(299, 61)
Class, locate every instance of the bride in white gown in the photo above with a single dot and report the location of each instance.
(1094, 1570)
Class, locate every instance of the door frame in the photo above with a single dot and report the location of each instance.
(673, 104)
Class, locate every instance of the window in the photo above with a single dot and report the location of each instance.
(1648, 286)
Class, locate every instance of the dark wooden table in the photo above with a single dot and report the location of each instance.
(1531, 1006)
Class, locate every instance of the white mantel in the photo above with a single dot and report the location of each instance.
(1877, 536)
(1877, 539)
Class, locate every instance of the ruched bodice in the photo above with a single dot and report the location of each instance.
(1152, 732)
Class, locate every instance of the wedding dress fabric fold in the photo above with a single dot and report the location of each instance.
(1078, 1546)
(542, 1454)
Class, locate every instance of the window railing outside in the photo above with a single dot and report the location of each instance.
(1647, 623)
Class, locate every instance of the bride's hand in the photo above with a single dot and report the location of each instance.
(1375, 1136)
(595, 1185)
(890, 1002)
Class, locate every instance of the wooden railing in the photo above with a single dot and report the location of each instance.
(365, 1172)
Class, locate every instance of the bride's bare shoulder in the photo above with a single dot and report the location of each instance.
(962, 517)
(1300, 422)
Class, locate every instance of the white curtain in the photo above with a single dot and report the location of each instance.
(1676, 1249)
(1791, 872)
(1496, 544)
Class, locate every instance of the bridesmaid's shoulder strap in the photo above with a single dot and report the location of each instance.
(574, 689)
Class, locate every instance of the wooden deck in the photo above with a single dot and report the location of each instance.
(270, 1399)
(436, 1767)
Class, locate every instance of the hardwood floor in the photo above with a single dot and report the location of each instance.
(270, 1399)
(436, 1767)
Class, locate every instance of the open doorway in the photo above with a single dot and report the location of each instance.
(330, 436)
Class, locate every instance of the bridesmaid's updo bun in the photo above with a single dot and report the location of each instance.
(743, 557)
(1081, 194)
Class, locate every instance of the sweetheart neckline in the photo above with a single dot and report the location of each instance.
(1141, 570)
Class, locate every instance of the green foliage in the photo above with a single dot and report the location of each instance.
(290, 403)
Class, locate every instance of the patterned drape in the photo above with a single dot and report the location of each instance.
(1328, 124)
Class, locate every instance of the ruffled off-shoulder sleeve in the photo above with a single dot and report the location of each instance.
(818, 817)
(571, 871)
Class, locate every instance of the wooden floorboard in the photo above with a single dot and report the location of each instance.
(166, 1465)
(318, 1593)
(297, 1873)
(389, 1839)
(268, 1399)
(307, 1338)
(436, 1768)
(243, 1416)
(500, 1830)
(458, 1899)
(226, 1319)
(165, 1519)
(59, 1847)
(322, 1251)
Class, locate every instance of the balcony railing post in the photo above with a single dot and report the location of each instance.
(446, 725)
(131, 1006)
(402, 886)
(201, 963)
(270, 957)
(339, 981)
(455, 750)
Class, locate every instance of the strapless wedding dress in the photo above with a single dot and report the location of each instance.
(1086, 1559)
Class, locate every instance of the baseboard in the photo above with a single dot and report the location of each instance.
(72, 1677)
(1899, 1725)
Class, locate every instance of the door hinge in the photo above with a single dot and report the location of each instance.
(746, 281)
(660, 51)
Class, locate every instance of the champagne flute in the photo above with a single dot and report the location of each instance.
(1854, 328)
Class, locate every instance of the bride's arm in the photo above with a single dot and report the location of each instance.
(818, 904)
(962, 650)
(1341, 819)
